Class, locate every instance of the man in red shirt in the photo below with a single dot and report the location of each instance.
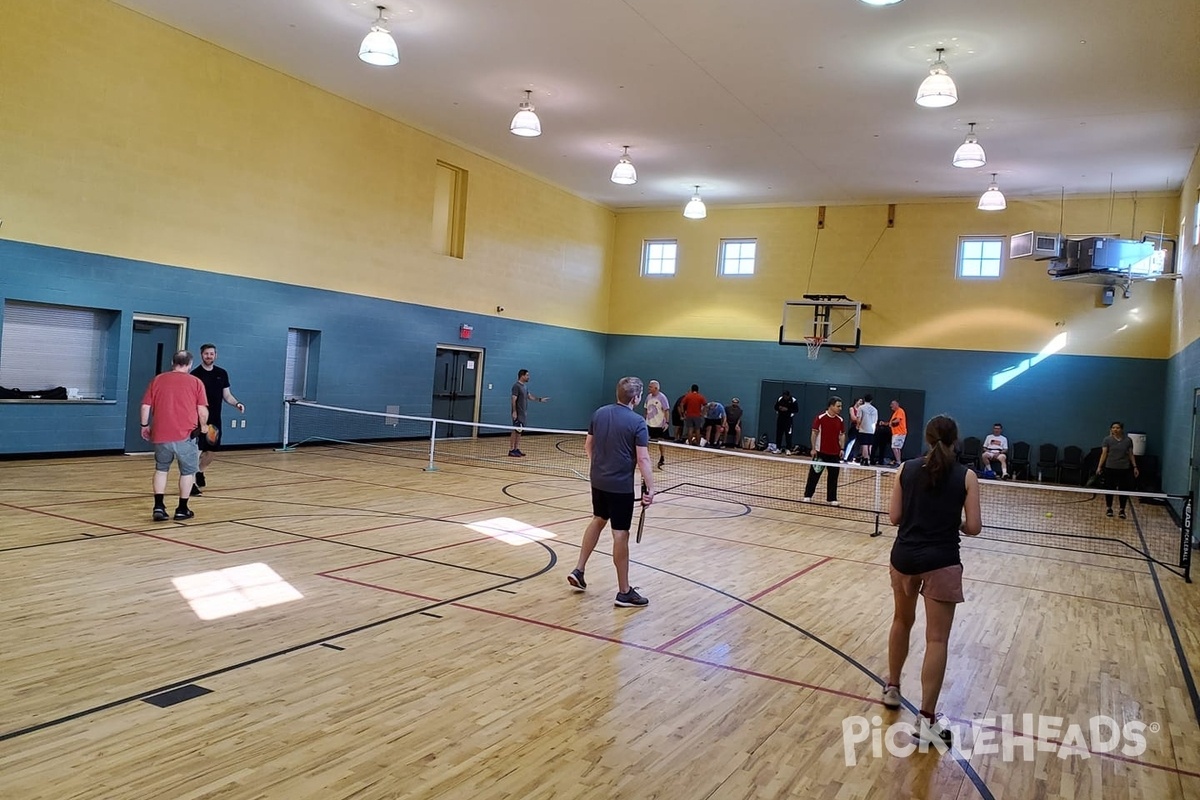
(693, 414)
(828, 440)
(178, 402)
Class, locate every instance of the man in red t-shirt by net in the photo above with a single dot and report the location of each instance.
(828, 440)
(178, 403)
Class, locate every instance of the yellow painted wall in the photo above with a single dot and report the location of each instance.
(130, 138)
(1186, 327)
(906, 274)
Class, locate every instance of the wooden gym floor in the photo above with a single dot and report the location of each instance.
(421, 658)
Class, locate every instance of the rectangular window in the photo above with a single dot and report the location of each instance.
(449, 210)
(737, 256)
(45, 346)
(300, 372)
(980, 256)
(1196, 222)
(658, 256)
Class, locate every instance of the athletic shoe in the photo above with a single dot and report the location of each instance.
(891, 696)
(1121, 515)
(160, 515)
(630, 599)
(936, 732)
(834, 503)
(661, 460)
(200, 480)
(1005, 477)
(1108, 512)
(519, 453)
(576, 580)
(514, 453)
(805, 499)
(184, 513)
(196, 492)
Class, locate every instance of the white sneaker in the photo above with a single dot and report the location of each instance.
(891, 697)
(936, 732)
(805, 499)
(834, 503)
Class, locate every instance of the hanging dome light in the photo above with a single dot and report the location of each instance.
(624, 173)
(938, 90)
(378, 47)
(695, 209)
(969, 154)
(525, 122)
(881, 2)
(992, 199)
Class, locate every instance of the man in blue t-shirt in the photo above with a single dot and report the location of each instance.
(617, 442)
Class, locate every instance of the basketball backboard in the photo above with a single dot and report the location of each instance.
(836, 319)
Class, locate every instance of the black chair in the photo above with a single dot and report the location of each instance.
(1047, 463)
(969, 455)
(1070, 467)
(1018, 463)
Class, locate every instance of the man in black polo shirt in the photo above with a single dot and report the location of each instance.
(216, 386)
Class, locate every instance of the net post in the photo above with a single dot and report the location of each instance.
(1185, 549)
(432, 439)
(287, 426)
(878, 505)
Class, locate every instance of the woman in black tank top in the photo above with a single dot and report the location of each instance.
(934, 499)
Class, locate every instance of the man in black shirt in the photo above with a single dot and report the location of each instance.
(786, 407)
(216, 387)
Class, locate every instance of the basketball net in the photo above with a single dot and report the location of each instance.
(814, 346)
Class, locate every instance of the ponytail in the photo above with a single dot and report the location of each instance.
(940, 434)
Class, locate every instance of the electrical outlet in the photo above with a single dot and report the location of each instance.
(233, 424)
(243, 423)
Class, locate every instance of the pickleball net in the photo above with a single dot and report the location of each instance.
(1157, 527)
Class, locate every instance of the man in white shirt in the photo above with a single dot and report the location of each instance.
(868, 418)
(658, 418)
(995, 448)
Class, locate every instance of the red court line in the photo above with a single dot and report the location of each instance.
(68, 519)
(727, 668)
(731, 609)
(180, 542)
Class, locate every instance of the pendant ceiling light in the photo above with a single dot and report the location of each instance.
(938, 90)
(378, 47)
(992, 199)
(624, 173)
(525, 122)
(695, 209)
(969, 154)
(881, 2)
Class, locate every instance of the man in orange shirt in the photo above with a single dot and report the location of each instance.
(899, 426)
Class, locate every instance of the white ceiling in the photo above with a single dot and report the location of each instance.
(761, 101)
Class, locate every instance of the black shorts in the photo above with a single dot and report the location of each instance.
(616, 507)
(659, 433)
(205, 447)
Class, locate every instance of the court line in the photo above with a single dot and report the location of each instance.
(731, 609)
(551, 562)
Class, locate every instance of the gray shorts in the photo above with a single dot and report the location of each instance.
(187, 451)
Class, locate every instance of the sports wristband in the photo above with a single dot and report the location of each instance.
(145, 424)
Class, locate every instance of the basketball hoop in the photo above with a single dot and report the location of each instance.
(814, 346)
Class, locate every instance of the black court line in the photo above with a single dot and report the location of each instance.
(1188, 680)
(959, 759)
(551, 562)
(331, 646)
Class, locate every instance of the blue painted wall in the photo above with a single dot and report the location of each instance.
(1063, 400)
(1183, 378)
(373, 353)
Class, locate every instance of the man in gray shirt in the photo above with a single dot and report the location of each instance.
(1117, 464)
(520, 402)
(617, 441)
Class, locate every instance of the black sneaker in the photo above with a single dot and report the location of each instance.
(514, 453)
(576, 580)
(184, 513)
(1108, 512)
(196, 492)
(630, 599)
(661, 460)
(200, 480)
(1121, 515)
(160, 515)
